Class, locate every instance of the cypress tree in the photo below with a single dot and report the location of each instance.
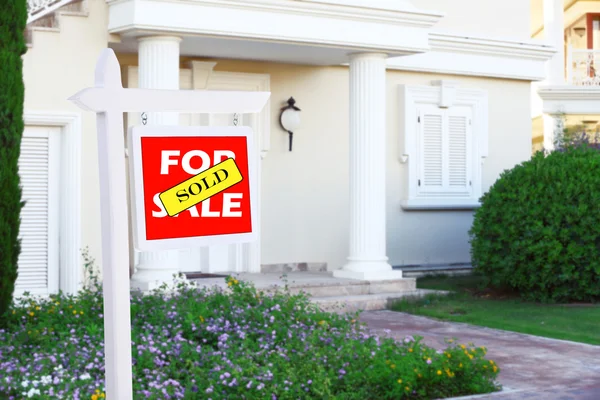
(13, 20)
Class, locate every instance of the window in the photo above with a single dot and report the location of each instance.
(444, 142)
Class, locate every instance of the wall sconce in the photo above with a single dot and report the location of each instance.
(290, 118)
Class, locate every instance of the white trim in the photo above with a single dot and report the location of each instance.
(443, 94)
(435, 204)
(70, 192)
(478, 56)
(398, 31)
(570, 99)
(137, 186)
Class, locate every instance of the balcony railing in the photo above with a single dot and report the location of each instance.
(37, 9)
(583, 67)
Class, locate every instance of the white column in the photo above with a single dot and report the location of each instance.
(554, 27)
(158, 60)
(368, 260)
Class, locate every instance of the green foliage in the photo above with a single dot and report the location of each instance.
(537, 230)
(232, 343)
(13, 18)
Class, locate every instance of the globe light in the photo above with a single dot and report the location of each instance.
(290, 118)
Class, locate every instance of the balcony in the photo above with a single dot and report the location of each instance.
(583, 67)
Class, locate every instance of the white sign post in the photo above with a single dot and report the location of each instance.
(109, 100)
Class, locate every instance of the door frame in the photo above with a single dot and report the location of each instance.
(69, 220)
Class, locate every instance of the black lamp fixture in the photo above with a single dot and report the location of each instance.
(289, 119)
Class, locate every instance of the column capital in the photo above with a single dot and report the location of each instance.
(160, 38)
(367, 55)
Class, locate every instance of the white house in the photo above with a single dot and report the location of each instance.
(412, 108)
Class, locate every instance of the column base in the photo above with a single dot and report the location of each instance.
(368, 271)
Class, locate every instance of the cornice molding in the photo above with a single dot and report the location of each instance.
(570, 99)
(479, 56)
(354, 10)
(534, 50)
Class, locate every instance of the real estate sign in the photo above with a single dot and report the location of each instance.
(191, 186)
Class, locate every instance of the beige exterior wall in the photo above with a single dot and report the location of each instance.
(305, 211)
(508, 19)
(305, 193)
(57, 66)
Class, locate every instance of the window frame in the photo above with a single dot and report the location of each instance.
(446, 95)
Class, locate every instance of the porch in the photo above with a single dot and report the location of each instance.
(162, 34)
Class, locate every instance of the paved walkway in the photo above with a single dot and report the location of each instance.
(531, 367)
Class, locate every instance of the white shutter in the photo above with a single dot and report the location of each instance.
(459, 150)
(39, 173)
(431, 149)
(445, 152)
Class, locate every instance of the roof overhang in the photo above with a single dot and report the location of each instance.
(304, 31)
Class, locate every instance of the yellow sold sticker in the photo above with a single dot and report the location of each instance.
(201, 187)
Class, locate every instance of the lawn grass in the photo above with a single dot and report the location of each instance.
(468, 304)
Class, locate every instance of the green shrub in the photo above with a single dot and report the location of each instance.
(238, 343)
(12, 46)
(538, 229)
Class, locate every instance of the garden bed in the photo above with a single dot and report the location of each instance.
(198, 343)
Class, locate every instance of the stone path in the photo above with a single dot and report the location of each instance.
(531, 367)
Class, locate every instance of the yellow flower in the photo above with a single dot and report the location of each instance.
(470, 357)
(31, 313)
(449, 355)
(201, 319)
(57, 303)
(94, 397)
(407, 388)
(81, 312)
(393, 366)
(74, 312)
(462, 346)
(492, 362)
(14, 312)
(102, 395)
(420, 376)
(235, 281)
(495, 369)
(410, 350)
(439, 372)
(38, 308)
(399, 380)
(460, 365)
(229, 284)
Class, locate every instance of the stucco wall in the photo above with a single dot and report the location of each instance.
(57, 66)
(508, 19)
(305, 211)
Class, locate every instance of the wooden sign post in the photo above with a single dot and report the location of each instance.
(109, 100)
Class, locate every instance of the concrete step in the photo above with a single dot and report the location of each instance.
(415, 271)
(368, 302)
(346, 287)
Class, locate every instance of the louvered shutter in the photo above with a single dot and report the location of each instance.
(445, 152)
(431, 151)
(459, 150)
(39, 173)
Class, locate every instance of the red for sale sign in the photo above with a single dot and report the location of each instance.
(191, 186)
